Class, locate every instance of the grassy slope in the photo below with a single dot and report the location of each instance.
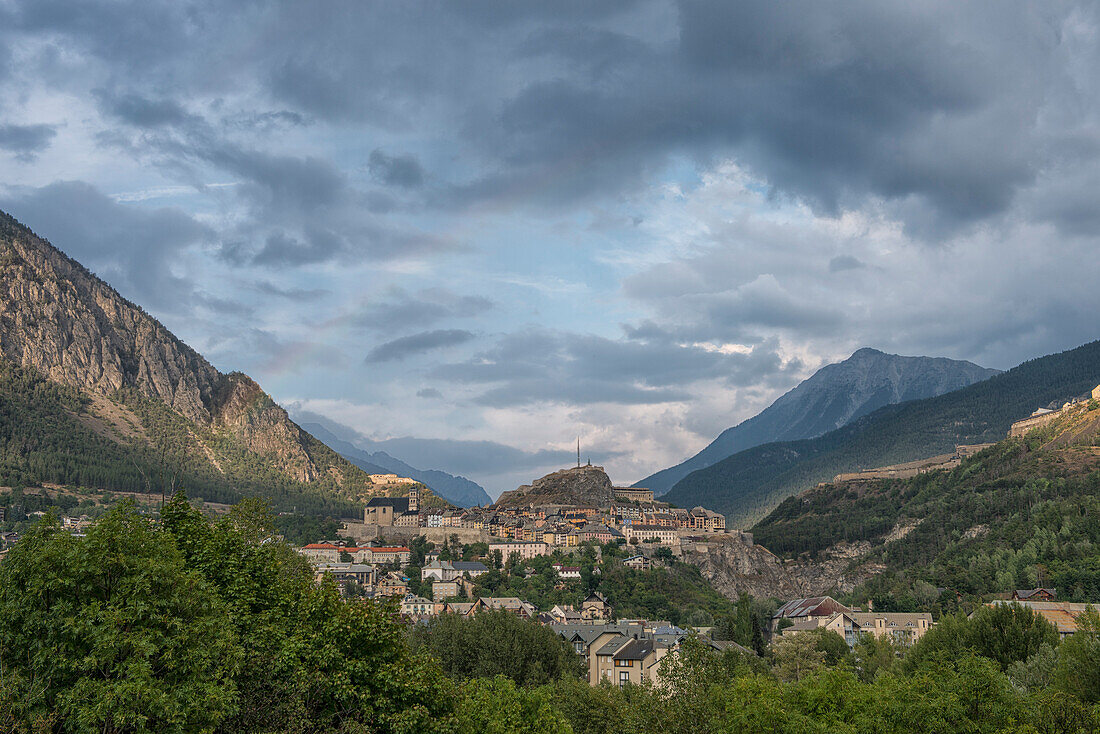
(44, 440)
(748, 485)
(1021, 508)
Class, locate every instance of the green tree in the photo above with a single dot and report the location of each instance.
(497, 706)
(495, 643)
(314, 661)
(1007, 633)
(796, 656)
(1078, 670)
(112, 633)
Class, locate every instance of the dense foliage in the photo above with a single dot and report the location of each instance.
(747, 485)
(47, 436)
(676, 592)
(1021, 512)
(496, 643)
(198, 626)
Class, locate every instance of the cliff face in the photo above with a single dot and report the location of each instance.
(73, 328)
(735, 566)
(63, 322)
(582, 485)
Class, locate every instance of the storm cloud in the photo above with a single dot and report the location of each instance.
(637, 220)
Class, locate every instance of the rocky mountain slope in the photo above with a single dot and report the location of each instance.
(457, 490)
(581, 485)
(1022, 509)
(834, 396)
(127, 379)
(748, 485)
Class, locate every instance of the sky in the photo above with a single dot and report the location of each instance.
(474, 231)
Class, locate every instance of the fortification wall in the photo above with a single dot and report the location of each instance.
(1019, 428)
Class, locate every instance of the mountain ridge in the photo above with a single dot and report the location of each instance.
(749, 484)
(832, 397)
(457, 490)
(138, 384)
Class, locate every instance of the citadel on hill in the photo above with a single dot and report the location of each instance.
(562, 509)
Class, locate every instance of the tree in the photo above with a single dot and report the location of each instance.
(313, 660)
(796, 656)
(494, 643)
(1078, 670)
(497, 706)
(875, 654)
(112, 632)
(1006, 633)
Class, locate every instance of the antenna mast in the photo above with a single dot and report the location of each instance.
(578, 452)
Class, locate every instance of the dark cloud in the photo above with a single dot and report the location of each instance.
(267, 288)
(26, 141)
(540, 365)
(134, 109)
(400, 310)
(426, 341)
(429, 393)
(841, 263)
(399, 170)
(130, 246)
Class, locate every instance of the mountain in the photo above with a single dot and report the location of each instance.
(1019, 514)
(458, 491)
(749, 484)
(94, 392)
(832, 397)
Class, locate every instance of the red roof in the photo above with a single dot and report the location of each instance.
(322, 546)
(398, 549)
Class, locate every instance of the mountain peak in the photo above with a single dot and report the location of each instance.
(61, 322)
(834, 396)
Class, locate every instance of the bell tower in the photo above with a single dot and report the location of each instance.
(414, 499)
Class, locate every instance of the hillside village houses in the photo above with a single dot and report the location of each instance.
(824, 612)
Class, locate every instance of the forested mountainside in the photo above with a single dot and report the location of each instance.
(749, 484)
(1024, 511)
(457, 490)
(95, 392)
(832, 397)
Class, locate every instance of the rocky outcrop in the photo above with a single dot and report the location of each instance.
(582, 485)
(62, 321)
(735, 566)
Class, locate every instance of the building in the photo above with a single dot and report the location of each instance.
(639, 562)
(624, 660)
(567, 572)
(450, 570)
(828, 614)
(451, 589)
(342, 573)
(706, 520)
(512, 604)
(595, 608)
(633, 494)
(643, 533)
(390, 480)
(393, 511)
(323, 552)
(387, 554)
(1035, 595)
(417, 606)
(526, 549)
(801, 610)
(392, 584)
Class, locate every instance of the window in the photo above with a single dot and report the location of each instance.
(624, 678)
(579, 647)
(624, 664)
